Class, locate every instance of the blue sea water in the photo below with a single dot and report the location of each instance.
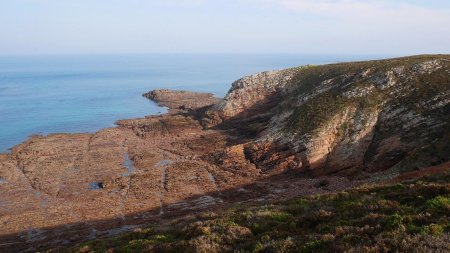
(53, 94)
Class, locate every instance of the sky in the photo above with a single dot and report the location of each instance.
(398, 27)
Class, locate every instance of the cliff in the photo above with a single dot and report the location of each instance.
(347, 117)
(275, 136)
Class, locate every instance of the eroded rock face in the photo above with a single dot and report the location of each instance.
(248, 93)
(351, 117)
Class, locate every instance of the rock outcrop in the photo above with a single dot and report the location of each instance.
(183, 100)
(248, 93)
(352, 117)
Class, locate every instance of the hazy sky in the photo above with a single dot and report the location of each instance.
(225, 26)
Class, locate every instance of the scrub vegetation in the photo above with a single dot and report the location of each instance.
(412, 216)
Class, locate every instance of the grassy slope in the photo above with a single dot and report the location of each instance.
(318, 110)
(412, 216)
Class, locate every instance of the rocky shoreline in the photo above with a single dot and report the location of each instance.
(178, 168)
(207, 153)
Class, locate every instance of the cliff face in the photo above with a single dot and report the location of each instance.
(344, 117)
(248, 93)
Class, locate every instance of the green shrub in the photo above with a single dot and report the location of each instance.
(312, 246)
(164, 237)
(393, 222)
(281, 217)
(433, 229)
(137, 245)
(439, 204)
(314, 113)
(258, 228)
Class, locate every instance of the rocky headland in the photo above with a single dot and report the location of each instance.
(276, 135)
(181, 100)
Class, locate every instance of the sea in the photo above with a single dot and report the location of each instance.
(42, 94)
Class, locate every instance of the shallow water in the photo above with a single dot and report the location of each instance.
(47, 94)
(95, 186)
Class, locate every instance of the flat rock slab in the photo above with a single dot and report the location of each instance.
(181, 99)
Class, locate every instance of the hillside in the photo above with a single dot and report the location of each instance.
(347, 117)
(277, 136)
(412, 216)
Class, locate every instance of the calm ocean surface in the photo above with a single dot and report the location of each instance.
(53, 94)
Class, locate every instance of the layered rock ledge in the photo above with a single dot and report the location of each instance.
(181, 99)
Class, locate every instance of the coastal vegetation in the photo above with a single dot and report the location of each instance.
(412, 216)
(324, 86)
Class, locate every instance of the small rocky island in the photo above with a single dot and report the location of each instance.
(275, 136)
